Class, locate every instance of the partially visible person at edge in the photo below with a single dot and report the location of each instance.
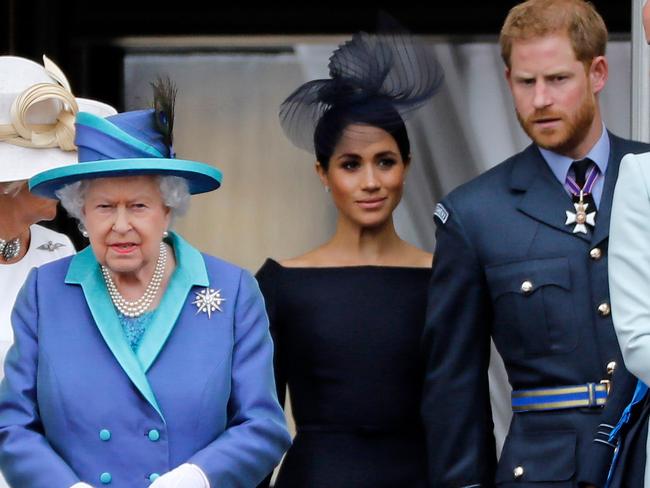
(139, 361)
(37, 135)
(521, 257)
(346, 317)
(629, 275)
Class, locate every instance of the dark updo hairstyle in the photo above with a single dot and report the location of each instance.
(375, 80)
(333, 123)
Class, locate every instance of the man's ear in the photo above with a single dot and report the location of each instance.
(598, 73)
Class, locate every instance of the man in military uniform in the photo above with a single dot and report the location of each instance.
(521, 257)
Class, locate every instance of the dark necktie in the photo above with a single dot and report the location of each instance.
(584, 179)
(580, 169)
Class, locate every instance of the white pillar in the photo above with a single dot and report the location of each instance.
(640, 77)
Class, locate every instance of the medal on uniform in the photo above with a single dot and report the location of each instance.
(583, 215)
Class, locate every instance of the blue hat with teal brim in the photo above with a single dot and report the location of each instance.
(126, 144)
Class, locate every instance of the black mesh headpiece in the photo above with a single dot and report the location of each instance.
(376, 79)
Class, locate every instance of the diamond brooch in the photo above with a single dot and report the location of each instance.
(208, 301)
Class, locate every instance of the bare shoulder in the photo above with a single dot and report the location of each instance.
(314, 258)
(416, 257)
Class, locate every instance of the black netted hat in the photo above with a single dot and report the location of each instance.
(378, 79)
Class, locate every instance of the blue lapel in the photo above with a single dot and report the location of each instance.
(544, 199)
(85, 271)
(190, 271)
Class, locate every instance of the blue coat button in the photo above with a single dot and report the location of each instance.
(153, 477)
(106, 478)
(153, 435)
(105, 434)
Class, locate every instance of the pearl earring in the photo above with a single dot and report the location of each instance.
(165, 235)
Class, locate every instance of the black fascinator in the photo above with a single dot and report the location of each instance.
(376, 79)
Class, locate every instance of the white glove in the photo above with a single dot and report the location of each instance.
(185, 476)
(81, 484)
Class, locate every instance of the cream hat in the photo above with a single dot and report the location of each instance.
(37, 113)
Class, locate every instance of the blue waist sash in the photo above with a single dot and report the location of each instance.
(589, 395)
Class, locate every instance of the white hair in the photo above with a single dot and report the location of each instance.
(174, 190)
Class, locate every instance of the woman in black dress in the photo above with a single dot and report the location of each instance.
(347, 317)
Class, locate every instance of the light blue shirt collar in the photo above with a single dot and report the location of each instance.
(560, 164)
(599, 154)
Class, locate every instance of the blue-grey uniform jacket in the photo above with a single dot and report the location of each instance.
(507, 267)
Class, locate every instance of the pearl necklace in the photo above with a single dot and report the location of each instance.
(10, 249)
(139, 306)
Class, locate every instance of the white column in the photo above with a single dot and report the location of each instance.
(640, 109)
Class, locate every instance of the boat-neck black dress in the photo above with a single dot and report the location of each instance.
(347, 343)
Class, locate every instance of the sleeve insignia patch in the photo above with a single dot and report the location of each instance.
(442, 213)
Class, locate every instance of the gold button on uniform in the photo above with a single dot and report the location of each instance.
(603, 309)
(527, 287)
(611, 367)
(518, 472)
(596, 254)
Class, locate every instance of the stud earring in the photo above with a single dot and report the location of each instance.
(82, 229)
(165, 235)
(328, 189)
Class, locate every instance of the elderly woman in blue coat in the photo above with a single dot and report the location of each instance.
(139, 361)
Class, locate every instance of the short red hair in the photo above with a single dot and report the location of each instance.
(578, 19)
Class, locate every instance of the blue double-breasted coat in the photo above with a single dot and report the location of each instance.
(77, 404)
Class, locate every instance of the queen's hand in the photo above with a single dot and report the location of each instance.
(185, 476)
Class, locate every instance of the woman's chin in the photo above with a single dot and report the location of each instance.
(123, 265)
(372, 220)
